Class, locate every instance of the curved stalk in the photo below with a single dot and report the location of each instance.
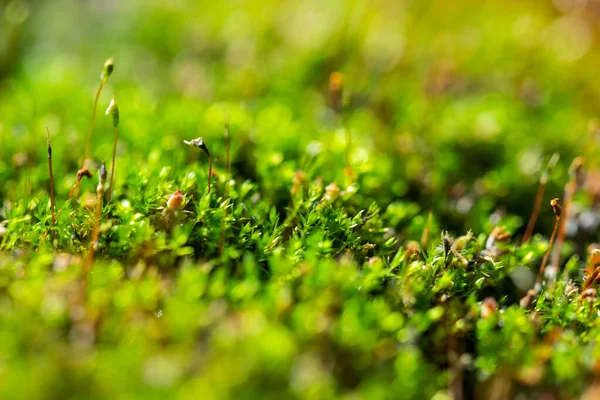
(113, 109)
(557, 212)
(51, 172)
(199, 143)
(107, 70)
(96, 231)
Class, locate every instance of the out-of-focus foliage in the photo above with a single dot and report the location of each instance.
(333, 281)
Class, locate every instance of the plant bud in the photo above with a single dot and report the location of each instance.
(102, 172)
(84, 172)
(556, 207)
(109, 66)
(195, 142)
(199, 143)
(113, 110)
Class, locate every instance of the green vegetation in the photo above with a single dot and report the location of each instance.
(373, 219)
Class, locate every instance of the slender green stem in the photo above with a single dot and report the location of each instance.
(93, 122)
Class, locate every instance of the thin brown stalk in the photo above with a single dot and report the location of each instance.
(52, 199)
(557, 213)
(199, 143)
(76, 184)
(539, 197)
(570, 189)
(593, 276)
(592, 270)
(92, 123)
(536, 212)
(100, 189)
(83, 172)
(107, 70)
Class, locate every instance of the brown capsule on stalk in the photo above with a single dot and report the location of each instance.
(556, 207)
(84, 172)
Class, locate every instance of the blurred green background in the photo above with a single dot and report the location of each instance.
(453, 104)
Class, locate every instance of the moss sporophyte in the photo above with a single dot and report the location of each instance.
(199, 143)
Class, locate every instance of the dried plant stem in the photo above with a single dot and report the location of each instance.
(100, 189)
(562, 229)
(80, 174)
(75, 186)
(95, 232)
(538, 199)
(557, 213)
(52, 199)
(227, 178)
(92, 123)
(536, 212)
(593, 276)
(112, 169)
(570, 189)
